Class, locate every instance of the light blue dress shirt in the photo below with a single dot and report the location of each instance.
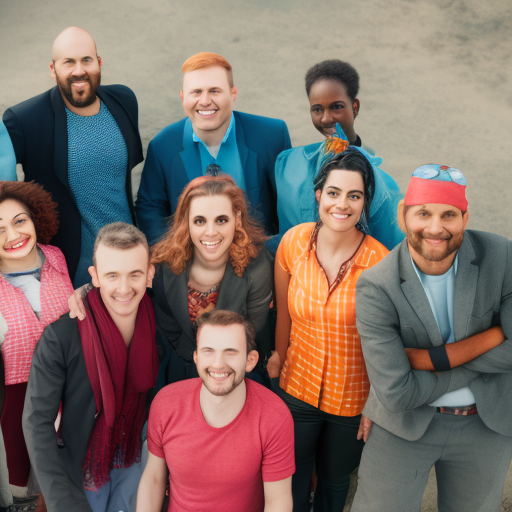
(439, 291)
(228, 157)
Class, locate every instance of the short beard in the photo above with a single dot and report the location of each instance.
(415, 241)
(66, 88)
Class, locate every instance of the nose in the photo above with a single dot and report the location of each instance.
(123, 285)
(12, 233)
(78, 69)
(342, 202)
(327, 117)
(211, 228)
(205, 98)
(435, 225)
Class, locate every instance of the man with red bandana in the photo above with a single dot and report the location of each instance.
(80, 140)
(435, 318)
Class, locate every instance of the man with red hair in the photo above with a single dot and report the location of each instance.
(213, 138)
(435, 320)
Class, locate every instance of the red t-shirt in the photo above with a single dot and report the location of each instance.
(221, 469)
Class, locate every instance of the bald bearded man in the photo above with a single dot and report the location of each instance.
(80, 140)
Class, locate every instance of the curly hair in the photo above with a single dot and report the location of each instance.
(336, 70)
(176, 248)
(42, 209)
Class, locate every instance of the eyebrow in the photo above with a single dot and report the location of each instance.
(17, 215)
(349, 192)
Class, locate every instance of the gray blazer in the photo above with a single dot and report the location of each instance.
(393, 312)
(58, 374)
(249, 295)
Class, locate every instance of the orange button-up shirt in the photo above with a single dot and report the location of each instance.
(324, 364)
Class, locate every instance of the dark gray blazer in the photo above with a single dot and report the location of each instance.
(393, 312)
(59, 373)
(249, 295)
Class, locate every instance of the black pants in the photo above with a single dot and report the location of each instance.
(328, 443)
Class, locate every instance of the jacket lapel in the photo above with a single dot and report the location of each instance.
(465, 288)
(230, 289)
(61, 137)
(415, 295)
(190, 154)
(176, 290)
(248, 158)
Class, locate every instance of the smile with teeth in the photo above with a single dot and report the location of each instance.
(18, 245)
(340, 216)
(206, 112)
(211, 245)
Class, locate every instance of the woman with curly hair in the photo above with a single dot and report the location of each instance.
(213, 256)
(34, 287)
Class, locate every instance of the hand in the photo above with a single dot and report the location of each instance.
(365, 426)
(274, 365)
(76, 302)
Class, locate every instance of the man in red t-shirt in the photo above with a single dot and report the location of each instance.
(227, 441)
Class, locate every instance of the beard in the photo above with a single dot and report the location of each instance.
(224, 390)
(79, 99)
(416, 241)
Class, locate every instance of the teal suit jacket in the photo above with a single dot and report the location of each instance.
(173, 160)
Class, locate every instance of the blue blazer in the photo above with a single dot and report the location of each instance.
(173, 160)
(38, 131)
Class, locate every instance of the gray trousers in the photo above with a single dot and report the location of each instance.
(471, 463)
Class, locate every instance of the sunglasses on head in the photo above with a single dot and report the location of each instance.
(443, 172)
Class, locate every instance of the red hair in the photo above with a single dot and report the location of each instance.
(205, 60)
(176, 248)
(42, 210)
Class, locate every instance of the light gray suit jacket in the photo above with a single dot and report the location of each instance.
(393, 313)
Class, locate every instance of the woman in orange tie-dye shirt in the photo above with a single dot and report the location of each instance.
(323, 377)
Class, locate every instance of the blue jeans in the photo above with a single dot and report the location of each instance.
(120, 494)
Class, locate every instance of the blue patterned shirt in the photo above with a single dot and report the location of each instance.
(97, 161)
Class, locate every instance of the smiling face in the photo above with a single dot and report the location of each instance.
(208, 102)
(341, 201)
(330, 104)
(212, 226)
(76, 68)
(434, 234)
(122, 276)
(221, 357)
(18, 250)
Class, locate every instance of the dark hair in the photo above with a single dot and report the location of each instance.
(42, 210)
(336, 70)
(225, 318)
(350, 160)
(120, 235)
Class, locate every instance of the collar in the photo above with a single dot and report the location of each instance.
(52, 258)
(231, 128)
(360, 258)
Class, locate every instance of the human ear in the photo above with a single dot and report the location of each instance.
(318, 193)
(151, 274)
(252, 360)
(356, 105)
(94, 275)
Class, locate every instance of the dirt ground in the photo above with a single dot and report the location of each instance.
(436, 75)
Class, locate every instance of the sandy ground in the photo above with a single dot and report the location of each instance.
(436, 75)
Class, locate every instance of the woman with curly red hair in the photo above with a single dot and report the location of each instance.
(34, 287)
(213, 256)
